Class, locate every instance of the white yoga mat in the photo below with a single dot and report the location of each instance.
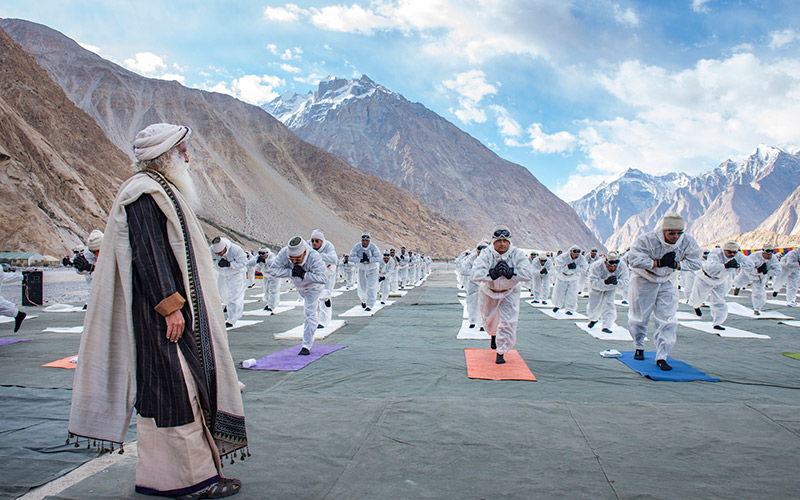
(549, 305)
(63, 329)
(467, 333)
(462, 294)
(617, 332)
(777, 302)
(249, 301)
(687, 316)
(335, 294)
(561, 314)
(245, 322)
(63, 308)
(740, 310)
(359, 311)
(296, 333)
(290, 303)
(261, 312)
(6, 319)
(793, 323)
(729, 332)
(399, 293)
(619, 303)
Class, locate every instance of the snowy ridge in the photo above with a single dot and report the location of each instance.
(296, 110)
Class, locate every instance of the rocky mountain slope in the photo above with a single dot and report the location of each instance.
(58, 172)
(733, 198)
(258, 180)
(382, 133)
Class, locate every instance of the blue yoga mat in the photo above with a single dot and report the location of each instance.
(681, 372)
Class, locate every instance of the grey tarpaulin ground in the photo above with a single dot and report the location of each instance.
(395, 416)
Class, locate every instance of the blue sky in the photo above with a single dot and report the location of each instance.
(575, 91)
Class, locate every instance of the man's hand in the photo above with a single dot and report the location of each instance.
(732, 264)
(261, 259)
(81, 264)
(495, 273)
(668, 260)
(364, 258)
(572, 265)
(509, 272)
(66, 262)
(223, 262)
(175, 325)
(381, 278)
(298, 272)
(611, 280)
(762, 268)
(543, 271)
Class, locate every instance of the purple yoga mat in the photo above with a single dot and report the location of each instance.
(288, 360)
(11, 341)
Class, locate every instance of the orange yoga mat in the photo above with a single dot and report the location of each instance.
(63, 363)
(481, 365)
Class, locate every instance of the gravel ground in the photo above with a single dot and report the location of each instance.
(61, 285)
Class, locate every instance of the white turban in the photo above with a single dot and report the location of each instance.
(263, 250)
(317, 234)
(157, 139)
(296, 247)
(95, 240)
(673, 221)
(220, 244)
(365, 235)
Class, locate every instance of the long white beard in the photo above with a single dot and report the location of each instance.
(177, 171)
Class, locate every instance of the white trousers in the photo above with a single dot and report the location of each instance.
(714, 295)
(368, 285)
(272, 291)
(659, 300)
(349, 278)
(790, 279)
(601, 307)
(540, 287)
(565, 294)
(473, 311)
(310, 319)
(500, 317)
(403, 276)
(687, 283)
(7, 308)
(235, 286)
(758, 293)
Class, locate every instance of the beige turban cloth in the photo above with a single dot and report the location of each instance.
(612, 256)
(317, 234)
(673, 221)
(731, 246)
(157, 139)
(219, 244)
(768, 246)
(95, 240)
(296, 247)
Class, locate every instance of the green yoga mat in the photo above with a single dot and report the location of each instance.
(793, 355)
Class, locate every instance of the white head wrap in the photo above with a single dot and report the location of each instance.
(157, 139)
(95, 240)
(365, 235)
(731, 246)
(296, 247)
(498, 228)
(768, 246)
(263, 250)
(218, 245)
(317, 234)
(612, 256)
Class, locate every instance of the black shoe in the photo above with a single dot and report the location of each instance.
(228, 325)
(736, 291)
(472, 325)
(639, 355)
(320, 327)
(534, 302)
(606, 330)
(85, 306)
(555, 309)
(224, 308)
(662, 363)
(482, 329)
(383, 303)
(328, 303)
(363, 305)
(568, 313)
(367, 309)
(697, 311)
(18, 319)
(304, 352)
(718, 327)
(591, 324)
(251, 286)
(774, 294)
(624, 302)
(493, 344)
(757, 313)
(499, 360)
(268, 308)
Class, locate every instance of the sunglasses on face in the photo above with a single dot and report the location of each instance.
(262, 253)
(674, 233)
(502, 233)
(577, 250)
(768, 251)
(612, 262)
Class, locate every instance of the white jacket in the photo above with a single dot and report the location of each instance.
(316, 271)
(372, 252)
(598, 272)
(564, 273)
(502, 286)
(237, 258)
(651, 246)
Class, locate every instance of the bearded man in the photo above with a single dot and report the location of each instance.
(154, 336)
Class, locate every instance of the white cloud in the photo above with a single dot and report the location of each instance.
(700, 6)
(90, 48)
(782, 38)
(272, 48)
(146, 63)
(541, 142)
(578, 185)
(173, 76)
(312, 79)
(689, 120)
(289, 13)
(253, 89)
(626, 16)
(508, 126)
(289, 68)
(353, 19)
(471, 87)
